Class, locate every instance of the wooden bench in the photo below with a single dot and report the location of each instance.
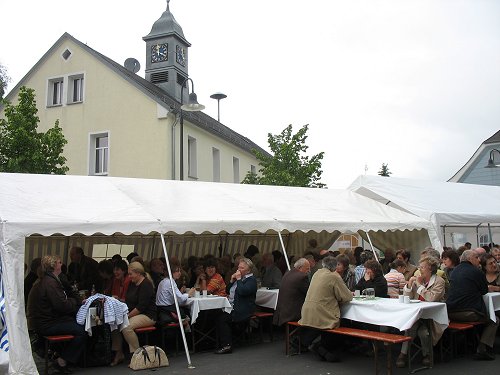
(374, 337)
(453, 329)
(169, 326)
(49, 340)
(261, 316)
(145, 331)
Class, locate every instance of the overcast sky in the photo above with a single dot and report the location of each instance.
(414, 84)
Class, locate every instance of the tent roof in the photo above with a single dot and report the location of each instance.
(445, 203)
(49, 204)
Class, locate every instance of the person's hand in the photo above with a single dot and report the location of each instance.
(202, 276)
(493, 288)
(411, 281)
(368, 274)
(183, 289)
(236, 276)
(419, 279)
(191, 291)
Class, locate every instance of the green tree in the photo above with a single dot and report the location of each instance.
(4, 80)
(22, 148)
(288, 166)
(384, 171)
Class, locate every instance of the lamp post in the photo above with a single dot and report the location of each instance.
(218, 96)
(491, 160)
(191, 106)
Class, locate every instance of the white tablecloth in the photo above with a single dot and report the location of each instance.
(196, 304)
(267, 298)
(492, 302)
(390, 312)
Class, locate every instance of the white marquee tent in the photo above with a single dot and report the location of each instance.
(449, 206)
(65, 205)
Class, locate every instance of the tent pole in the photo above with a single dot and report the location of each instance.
(371, 246)
(444, 235)
(284, 251)
(477, 235)
(491, 236)
(172, 281)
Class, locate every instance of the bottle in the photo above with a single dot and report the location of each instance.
(92, 292)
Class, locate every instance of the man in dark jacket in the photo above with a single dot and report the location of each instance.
(292, 293)
(241, 292)
(83, 270)
(465, 301)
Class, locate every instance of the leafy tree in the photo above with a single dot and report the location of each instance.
(384, 171)
(288, 166)
(4, 80)
(22, 148)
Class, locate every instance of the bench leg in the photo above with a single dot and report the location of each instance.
(287, 340)
(46, 357)
(375, 356)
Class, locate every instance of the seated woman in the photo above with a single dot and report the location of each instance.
(345, 272)
(450, 259)
(426, 287)
(211, 280)
(56, 313)
(165, 298)
(242, 290)
(140, 300)
(490, 268)
(373, 278)
(121, 281)
(396, 278)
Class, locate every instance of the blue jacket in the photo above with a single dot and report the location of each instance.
(467, 286)
(244, 298)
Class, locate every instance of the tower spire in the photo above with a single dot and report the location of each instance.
(168, 5)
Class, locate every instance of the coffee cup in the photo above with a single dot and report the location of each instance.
(406, 299)
(356, 293)
(205, 293)
(197, 294)
(402, 299)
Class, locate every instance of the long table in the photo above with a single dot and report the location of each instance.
(210, 302)
(492, 302)
(267, 298)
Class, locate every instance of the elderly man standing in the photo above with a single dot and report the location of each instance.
(465, 302)
(271, 275)
(292, 294)
(321, 308)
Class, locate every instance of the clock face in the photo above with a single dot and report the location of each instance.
(180, 55)
(159, 52)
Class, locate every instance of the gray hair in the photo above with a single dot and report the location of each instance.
(248, 262)
(300, 263)
(466, 255)
(330, 262)
(431, 252)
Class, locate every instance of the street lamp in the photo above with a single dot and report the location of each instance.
(191, 106)
(218, 96)
(491, 160)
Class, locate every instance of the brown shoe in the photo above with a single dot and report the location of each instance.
(426, 361)
(401, 361)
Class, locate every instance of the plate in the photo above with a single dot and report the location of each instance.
(415, 301)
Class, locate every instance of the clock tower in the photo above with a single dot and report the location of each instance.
(167, 55)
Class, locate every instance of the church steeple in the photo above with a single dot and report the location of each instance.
(167, 54)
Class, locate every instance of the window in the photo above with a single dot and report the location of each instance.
(66, 54)
(106, 251)
(236, 170)
(484, 239)
(216, 164)
(192, 158)
(55, 92)
(75, 89)
(99, 154)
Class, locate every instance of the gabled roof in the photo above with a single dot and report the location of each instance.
(495, 138)
(200, 119)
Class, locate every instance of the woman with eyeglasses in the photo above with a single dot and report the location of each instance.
(490, 268)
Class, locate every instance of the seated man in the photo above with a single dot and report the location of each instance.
(292, 294)
(465, 302)
(82, 270)
(241, 290)
(321, 308)
(404, 255)
(271, 275)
